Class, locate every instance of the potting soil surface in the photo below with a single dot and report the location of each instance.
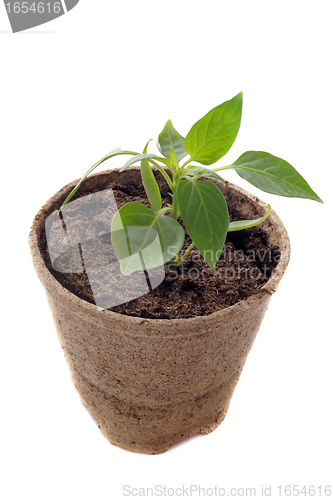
(193, 289)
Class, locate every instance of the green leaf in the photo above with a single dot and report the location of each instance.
(151, 186)
(273, 175)
(143, 239)
(113, 153)
(170, 139)
(205, 215)
(211, 137)
(246, 224)
(145, 149)
(174, 159)
(144, 156)
(197, 172)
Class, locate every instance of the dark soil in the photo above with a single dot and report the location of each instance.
(191, 290)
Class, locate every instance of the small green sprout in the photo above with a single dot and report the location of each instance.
(199, 203)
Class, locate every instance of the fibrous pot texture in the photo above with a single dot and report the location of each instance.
(150, 383)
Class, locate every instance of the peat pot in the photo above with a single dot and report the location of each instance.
(149, 383)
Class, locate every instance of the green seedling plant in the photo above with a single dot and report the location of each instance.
(199, 203)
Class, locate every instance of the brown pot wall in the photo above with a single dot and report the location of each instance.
(147, 382)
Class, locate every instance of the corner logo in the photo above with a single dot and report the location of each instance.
(28, 14)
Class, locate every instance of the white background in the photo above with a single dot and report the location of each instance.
(110, 74)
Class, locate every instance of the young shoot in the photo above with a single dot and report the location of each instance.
(199, 203)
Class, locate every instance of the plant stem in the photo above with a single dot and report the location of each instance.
(174, 205)
(227, 167)
(186, 163)
(163, 172)
(171, 210)
(185, 254)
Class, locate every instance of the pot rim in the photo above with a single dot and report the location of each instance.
(48, 280)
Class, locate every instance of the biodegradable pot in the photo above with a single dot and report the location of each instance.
(150, 383)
